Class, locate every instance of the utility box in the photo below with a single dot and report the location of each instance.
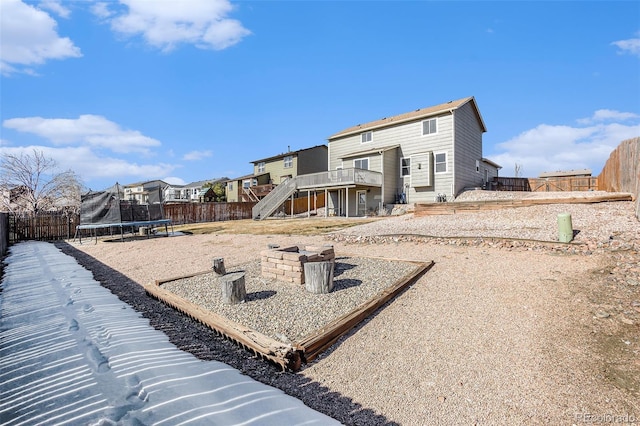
(565, 228)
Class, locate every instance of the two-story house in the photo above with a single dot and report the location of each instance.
(194, 192)
(272, 171)
(149, 192)
(421, 156)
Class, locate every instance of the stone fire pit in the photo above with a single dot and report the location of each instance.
(287, 264)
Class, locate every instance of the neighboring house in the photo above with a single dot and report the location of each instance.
(415, 157)
(149, 192)
(16, 199)
(194, 192)
(272, 171)
(567, 173)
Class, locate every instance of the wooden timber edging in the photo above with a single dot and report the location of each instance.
(266, 347)
(474, 206)
(323, 338)
(289, 357)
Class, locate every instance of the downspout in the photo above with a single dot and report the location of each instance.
(453, 163)
(382, 187)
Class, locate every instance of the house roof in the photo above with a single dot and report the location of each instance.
(410, 116)
(275, 157)
(562, 173)
(369, 151)
(246, 177)
(496, 165)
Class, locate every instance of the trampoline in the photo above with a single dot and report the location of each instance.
(107, 210)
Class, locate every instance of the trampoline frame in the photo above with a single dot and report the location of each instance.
(121, 225)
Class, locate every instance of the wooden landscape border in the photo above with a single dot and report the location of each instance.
(474, 206)
(289, 357)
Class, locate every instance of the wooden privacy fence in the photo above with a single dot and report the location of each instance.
(302, 204)
(621, 173)
(41, 227)
(207, 212)
(554, 184)
(216, 212)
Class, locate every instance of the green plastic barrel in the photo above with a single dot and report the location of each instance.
(565, 228)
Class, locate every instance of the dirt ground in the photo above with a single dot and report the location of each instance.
(493, 334)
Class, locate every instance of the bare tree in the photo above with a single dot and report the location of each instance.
(518, 170)
(32, 184)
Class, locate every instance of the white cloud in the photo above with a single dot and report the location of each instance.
(608, 115)
(556, 147)
(28, 37)
(172, 180)
(93, 167)
(56, 7)
(630, 46)
(166, 24)
(93, 130)
(196, 155)
(101, 10)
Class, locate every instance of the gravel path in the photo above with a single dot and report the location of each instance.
(498, 331)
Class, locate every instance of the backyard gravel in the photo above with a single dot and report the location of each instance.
(288, 312)
(508, 327)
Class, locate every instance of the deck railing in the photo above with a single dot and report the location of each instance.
(351, 176)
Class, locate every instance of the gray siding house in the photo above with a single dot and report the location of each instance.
(420, 156)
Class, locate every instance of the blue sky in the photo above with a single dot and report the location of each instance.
(190, 90)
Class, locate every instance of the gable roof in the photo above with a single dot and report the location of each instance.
(275, 157)
(410, 116)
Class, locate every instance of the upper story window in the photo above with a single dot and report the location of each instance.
(230, 186)
(441, 162)
(430, 126)
(361, 163)
(261, 167)
(366, 137)
(288, 161)
(405, 166)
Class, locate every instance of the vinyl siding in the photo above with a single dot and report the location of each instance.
(461, 154)
(409, 136)
(391, 182)
(276, 169)
(468, 149)
(312, 160)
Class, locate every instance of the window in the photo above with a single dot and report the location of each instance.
(477, 166)
(430, 126)
(405, 167)
(246, 183)
(288, 161)
(261, 167)
(361, 163)
(441, 162)
(366, 137)
(230, 186)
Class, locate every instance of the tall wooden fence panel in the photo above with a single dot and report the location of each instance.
(207, 212)
(41, 227)
(621, 172)
(553, 184)
(4, 233)
(303, 204)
